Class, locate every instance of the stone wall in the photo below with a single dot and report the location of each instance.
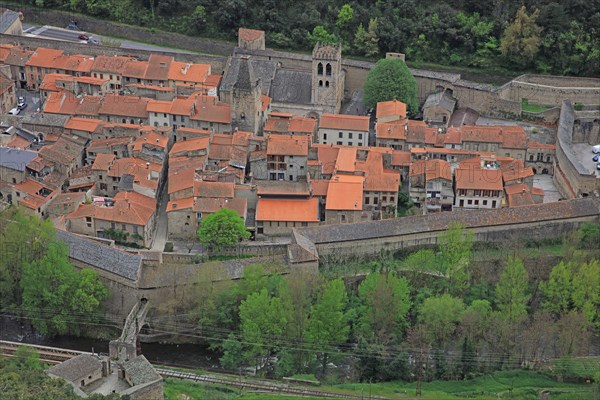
(551, 90)
(114, 29)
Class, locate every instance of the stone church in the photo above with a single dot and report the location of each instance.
(249, 75)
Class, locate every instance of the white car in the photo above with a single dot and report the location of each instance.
(14, 111)
(596, 149)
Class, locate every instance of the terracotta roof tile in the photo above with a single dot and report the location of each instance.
(159, 106)
(288, 145)
(43, 57)
(186, 72)
(538, 145)
(435, 169)
(346, 160)
(180, 204)
(520, 199)
(83, 124)
(103, 162)
(478, 178)
(319, 187)
(152, 139)
(400, 158)
(126, 106)
(282, 188)
(110, 64)
(250, 34)
(306, 210)
(135, 69)
(212, 205)
(345, 192)
(214, 189)
(158, 67)
(189, 146)
(345, 122)
(376, 177)
(391, 130)
(391, 108)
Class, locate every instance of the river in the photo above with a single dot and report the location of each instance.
(180, 355)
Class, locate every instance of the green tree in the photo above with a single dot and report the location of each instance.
(391, 79)
(232, 353)
(511, 290)
(366, 42)
(24, 239)
(327, 325)
(521, 39)
(586, 293)
(321, 35)
(456, 249)
(441, 315)
(588, 236)
(384, 302)
(559, 288)
(221, 229)
(262, 321)
(345, 16)
(53, 292)
(199, 18)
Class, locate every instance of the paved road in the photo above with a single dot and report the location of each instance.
(55, 33)
(356, 104)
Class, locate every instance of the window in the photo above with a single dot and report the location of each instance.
(375, 200)
(123, 227)
(476, 202)
(367, 200)
(547, 158)
(101, 76)
(477, 192)
(484, 202)
(112, 225)
(320, 69)
(343, 216)
(469, 202)
(326, 83)
(341, 135)
(324, 136)
(164, 115)
(349, 135)
(320, 83)
(110, 77)
(360, 136)
(328, 69)
(493, 203)
(339, 143)
(531, 157)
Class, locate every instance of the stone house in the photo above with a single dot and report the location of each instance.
(438, 108)
(344, 130)
(287, 157)
(478, 186)
(13, 164)
(288, 124)
(8, 94)
(10, 22)
(391, 134)
(17, 59)
(251, 39)
(344, 202)
(117, 146)
(540, 157)
(111, 68)
(34, 197)
(390, 111)
(275, 217)
(130, 214)
(430, 185)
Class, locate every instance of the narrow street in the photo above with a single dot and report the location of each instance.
(160, 229)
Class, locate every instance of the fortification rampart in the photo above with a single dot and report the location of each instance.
(371, 239)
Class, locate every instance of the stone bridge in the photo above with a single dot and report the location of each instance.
(127, 345)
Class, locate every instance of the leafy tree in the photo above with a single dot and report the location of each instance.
(321, 35)
(221, 229)
(391, 79)
(558, 289)
(521, 39)
(232, 353)
(24, 239)
(588, 236)
(262, 321)
(475, 319)
(586, 296)
(345, 16)
(366, 42)
(441, 316)
(383, 304)
(456, 249)
(327, 325)
(53, 292)
(199, 18)
(511, 290)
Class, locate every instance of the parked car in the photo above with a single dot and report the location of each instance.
(598, 166)
(22, 107)
(83, 36)
(72, 26)
(21, 103)
(14, 111)
(596, 149)
(93, 41)
(596, 158)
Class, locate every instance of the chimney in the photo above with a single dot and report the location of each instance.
(147, 165)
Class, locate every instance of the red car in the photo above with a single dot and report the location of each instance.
(83, 36)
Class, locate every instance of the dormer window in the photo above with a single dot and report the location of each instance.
(243, 115)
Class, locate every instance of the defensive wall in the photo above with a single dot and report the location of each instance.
(572, 177)
(336, 243)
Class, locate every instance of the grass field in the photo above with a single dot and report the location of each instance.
(533, 108)
(517, 385)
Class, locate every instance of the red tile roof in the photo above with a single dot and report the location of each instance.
(110, 64)
(390, 109)
(43, 57)
(288, 145)
(83, 124)
(305, 210)
(319, 187)
(400, 158)
(186, 72)
(377, 178)
(344, 122)
(538, 145)
(435, 169)
(103, 162)
(214, 189)
(478, 178)
(391, 130)
(345, 192)
(250, 34)
(126, 106)
(189, 146)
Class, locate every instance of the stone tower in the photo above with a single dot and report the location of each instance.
(246, 100)
(327, 77)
